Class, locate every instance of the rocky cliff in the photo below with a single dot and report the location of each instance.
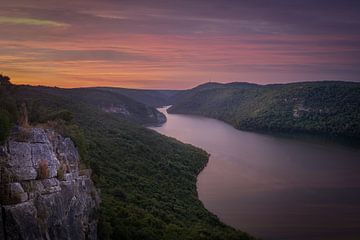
(43, 193)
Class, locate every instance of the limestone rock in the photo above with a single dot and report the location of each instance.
(40, 152)
(20, 163)
(28, 228)
(13, 193)
(38, 135)
(47, 208)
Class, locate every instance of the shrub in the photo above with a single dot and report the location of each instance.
(60, 173)
(43, 169)
(5, 126)
(63, 168)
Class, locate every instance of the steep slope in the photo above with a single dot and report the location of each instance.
(330, 108)
(43, 193)
(147, 181)
(154, 98)
(111, 102)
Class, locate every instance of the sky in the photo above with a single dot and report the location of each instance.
(177, 44)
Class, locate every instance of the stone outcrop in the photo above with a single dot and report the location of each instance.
(43, 193)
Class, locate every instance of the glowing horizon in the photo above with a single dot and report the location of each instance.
(177, 45)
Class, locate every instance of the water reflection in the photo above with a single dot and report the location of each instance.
(271, 187)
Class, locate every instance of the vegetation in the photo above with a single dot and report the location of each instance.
(111, 102)
(8, 109)
(5, 125)
(43, 170)
(154, 98)
(147, 181)
(5, 80)
(63, 168)
(325, 108)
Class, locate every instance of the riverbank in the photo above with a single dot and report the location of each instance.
(270, 186)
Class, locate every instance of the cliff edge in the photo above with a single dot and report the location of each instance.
(43, 192)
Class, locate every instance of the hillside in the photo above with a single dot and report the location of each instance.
(153, 98)
(160, 98)
(147, 181)
(325, 108)
(111, 102)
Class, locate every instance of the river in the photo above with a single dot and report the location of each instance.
(274, 187)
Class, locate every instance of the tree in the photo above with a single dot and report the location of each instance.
(4, 80)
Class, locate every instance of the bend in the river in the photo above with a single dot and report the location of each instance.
(271, 187)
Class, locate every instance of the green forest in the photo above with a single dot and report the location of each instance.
(318, 108)
(147, 181)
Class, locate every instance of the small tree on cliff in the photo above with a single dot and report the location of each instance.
(23, 115)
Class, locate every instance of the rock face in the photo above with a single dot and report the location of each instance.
(43, 194)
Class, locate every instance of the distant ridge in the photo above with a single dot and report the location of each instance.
(329, 108)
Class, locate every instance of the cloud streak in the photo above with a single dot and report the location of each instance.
(31, 22)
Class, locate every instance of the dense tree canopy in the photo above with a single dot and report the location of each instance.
(325, 108)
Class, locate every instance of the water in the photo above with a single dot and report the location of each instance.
(272, 187)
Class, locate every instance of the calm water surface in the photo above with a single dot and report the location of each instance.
(271, 187)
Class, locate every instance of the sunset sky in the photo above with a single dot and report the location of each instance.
(176, 44)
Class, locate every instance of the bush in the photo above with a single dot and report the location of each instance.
(63, 168)
(5, 125)
(43, 170)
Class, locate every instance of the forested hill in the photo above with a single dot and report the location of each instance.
(107, 101)
(328, 107)
(147, 180)
(154, 98)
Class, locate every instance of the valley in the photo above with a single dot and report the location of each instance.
(179, 120)
(148, 181)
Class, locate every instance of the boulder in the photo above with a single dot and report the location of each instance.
(20, 164)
